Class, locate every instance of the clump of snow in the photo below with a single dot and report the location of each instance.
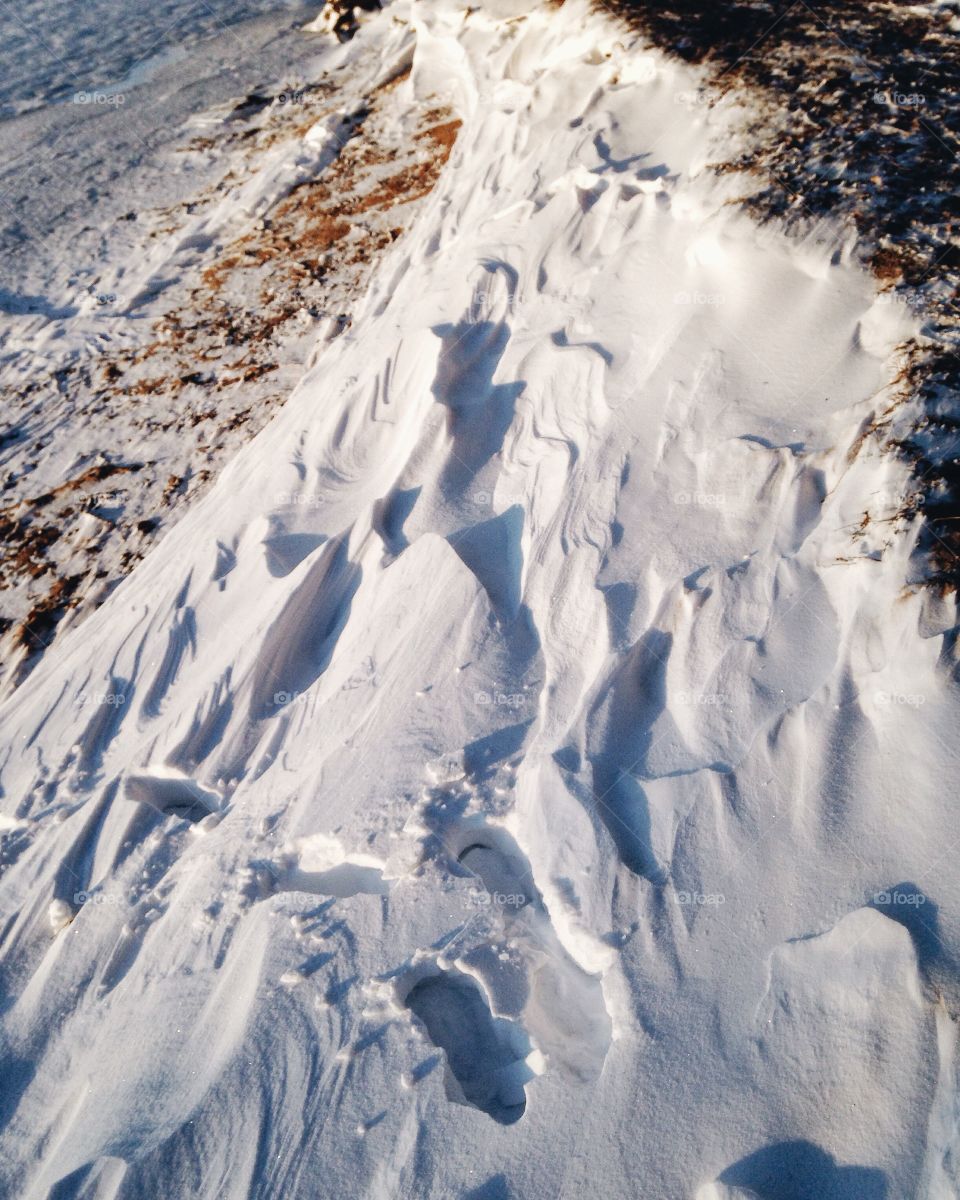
(59, 915)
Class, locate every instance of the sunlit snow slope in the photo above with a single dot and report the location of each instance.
(525, 774)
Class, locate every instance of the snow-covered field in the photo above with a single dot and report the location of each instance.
(53, 52)
(129, 381)
(523, 769)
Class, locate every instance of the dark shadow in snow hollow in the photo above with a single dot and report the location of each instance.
(495, 1188)
(623, 721)
(485, 1055)
(910, 907)
(480, 411)
(492, 551)
(480, 758)
(802, 1171)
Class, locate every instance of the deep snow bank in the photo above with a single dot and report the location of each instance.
(524, 772)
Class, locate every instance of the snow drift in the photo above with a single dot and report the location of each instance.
(526, 772)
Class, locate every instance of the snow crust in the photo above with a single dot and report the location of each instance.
(551, 795)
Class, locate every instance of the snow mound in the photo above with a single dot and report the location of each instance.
(562, 736)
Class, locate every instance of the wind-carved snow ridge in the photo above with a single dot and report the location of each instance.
(543, 798)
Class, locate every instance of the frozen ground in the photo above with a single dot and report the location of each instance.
(525, 771)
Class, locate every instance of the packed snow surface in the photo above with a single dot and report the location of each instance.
(524, 773)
